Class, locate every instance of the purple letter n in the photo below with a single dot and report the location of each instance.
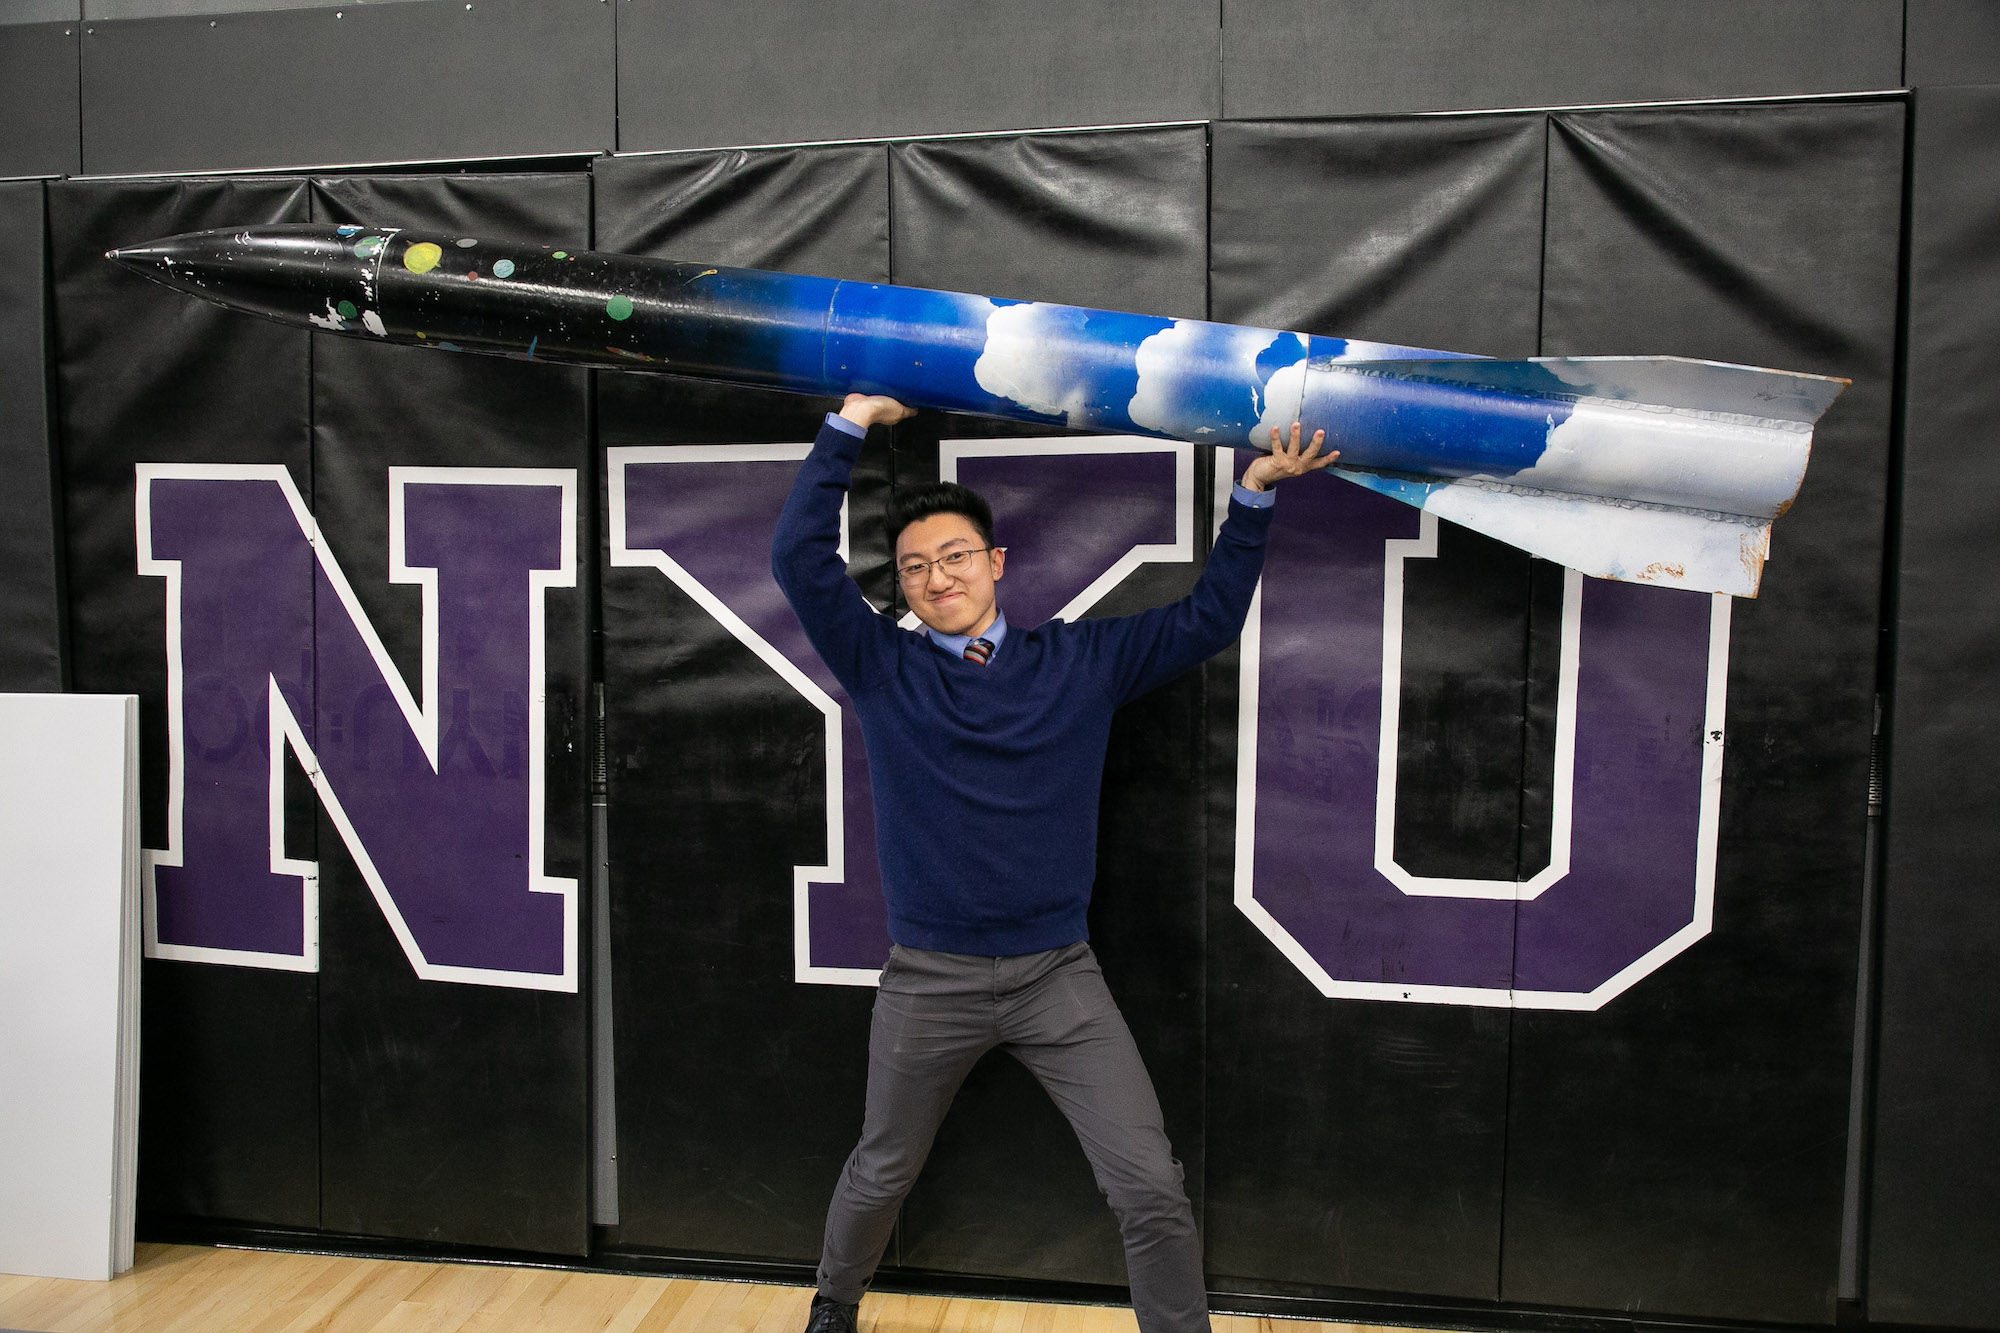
(438, 794)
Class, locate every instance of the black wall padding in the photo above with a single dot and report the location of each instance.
(1117, 220)
(822, 211)
(1682, 1150)
(30, 594)
(1307, 58)
(1360, 1144)
(1040, 217)
(229, 1119)
(38, 98)
(1936, 1186)
(1951, 42)
(448, 1111)
(339, 84)
(694, 75)
(739, 1090)
(1407, 232)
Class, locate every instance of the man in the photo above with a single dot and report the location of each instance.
(986, 752)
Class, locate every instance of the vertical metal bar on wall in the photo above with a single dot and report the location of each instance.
(52, 418)
(603, 1074)
(1851, 1289)
(1853, 1204)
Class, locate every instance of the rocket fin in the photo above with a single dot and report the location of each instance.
(1633, 543)
(1658, 381)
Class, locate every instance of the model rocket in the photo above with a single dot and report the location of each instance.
(1657, 469)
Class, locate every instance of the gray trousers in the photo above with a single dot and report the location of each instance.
(935, 1015)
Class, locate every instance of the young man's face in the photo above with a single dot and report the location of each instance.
(950, 601)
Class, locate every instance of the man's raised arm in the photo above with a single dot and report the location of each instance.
(850, 637)
(1156, 646)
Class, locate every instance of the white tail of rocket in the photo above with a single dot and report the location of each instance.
(1664, 471)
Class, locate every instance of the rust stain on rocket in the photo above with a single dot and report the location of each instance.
(1753, 552)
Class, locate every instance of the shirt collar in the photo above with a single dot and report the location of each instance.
(955, 643)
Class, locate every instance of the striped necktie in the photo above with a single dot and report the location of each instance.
(978, 650)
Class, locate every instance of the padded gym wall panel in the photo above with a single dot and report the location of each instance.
(1357, 1144)
(229, 1126)
(452, 1109)
(427, 80)
(1104, 219)
(30, 589)
(1682, 1150)
(1113, 219)
(694, 74)
(1935, 1224)
(1951, 42)
(821, 211)
(39, 41)
(1386, 229)
(1304, 58)
(739, 1090)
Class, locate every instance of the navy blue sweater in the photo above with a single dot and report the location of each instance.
(986, 777)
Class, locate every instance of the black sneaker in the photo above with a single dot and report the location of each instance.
(831, 1316)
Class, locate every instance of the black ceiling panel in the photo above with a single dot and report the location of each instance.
(1951, 41)
(1312, 58)
(693, 74)
(38, 97)
(423, 81)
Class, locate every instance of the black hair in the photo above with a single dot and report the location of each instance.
(938, 497)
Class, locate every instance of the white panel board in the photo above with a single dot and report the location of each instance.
(69, 983)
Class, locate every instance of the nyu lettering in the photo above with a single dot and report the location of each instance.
(437, 792)
(436, 786)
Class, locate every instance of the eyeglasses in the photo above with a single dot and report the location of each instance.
(953, 563)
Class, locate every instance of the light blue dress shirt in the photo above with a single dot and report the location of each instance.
(996, 634)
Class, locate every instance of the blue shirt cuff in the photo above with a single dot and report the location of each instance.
(1254, 499)
(841, 423)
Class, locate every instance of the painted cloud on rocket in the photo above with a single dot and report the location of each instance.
(1201, 380)
(1025, 360)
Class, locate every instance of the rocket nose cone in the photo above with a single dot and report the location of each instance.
(157, 260)
(140, 258)
(295, 273)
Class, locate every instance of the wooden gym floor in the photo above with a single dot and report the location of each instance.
(193, 1289)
